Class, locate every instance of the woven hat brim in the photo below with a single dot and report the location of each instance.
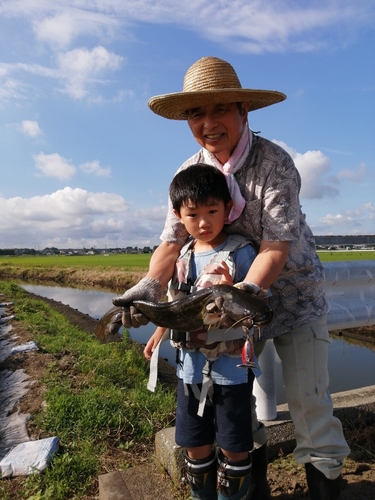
(174, 106)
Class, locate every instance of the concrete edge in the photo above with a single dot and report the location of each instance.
(347, 405)
(113, 487)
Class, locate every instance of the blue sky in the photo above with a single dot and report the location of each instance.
(84, 162)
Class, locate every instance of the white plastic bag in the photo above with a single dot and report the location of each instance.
(29, 458)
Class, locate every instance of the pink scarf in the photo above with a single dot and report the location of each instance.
(235, 162)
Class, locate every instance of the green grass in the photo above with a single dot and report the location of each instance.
(337, 256)
(123, 261)
(97, 402)
(139, 261)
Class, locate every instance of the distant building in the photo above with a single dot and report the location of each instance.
(345, 241)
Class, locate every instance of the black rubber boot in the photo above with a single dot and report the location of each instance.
(201, 476)
(321, 488)
(259, 487)
(233, 478)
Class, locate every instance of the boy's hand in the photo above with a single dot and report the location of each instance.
(220, 268)
(149, 289)
(153, 342)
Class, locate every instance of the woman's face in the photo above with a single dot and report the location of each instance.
(218, 127)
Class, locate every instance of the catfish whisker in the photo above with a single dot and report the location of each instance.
(238, 321)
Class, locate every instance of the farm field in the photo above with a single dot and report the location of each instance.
(141, 261)
(339, 256)
(124, 261)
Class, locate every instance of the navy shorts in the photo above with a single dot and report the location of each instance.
(227, 422)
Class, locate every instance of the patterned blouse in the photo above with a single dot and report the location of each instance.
(270, 184)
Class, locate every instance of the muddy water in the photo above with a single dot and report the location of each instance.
(351, 366)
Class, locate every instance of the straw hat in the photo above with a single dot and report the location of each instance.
(210, 81)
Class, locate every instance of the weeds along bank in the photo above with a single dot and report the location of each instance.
(115, 272)
(112, 280)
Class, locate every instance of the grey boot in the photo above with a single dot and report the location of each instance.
(201, 476)
(259, 487)
(321, 488)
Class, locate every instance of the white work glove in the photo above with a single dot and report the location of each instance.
(250, 287)
(149, 289)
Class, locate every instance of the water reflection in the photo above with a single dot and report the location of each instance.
(351, 366)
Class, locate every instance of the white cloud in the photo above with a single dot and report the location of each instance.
(315, 170)
(58, 29)
(60, 206)
(62, 28)
(336, 221)
(54, 165)
(79, 71)
(353, 175)
(73, 217)
(81, 68)
(10, 88)
(93, 167)
(260, 25)
(349, 221)
(30, 128)
(152, 214)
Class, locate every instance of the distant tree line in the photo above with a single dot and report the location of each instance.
(74, 251)
(7, 251)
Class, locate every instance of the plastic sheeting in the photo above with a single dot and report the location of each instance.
(350, 291)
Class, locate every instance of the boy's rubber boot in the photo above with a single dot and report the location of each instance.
(320, 487)
(233, 478)
(259, 487)
(201, 476)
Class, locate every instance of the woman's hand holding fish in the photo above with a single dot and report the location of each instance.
(250, 287)
(149, 289)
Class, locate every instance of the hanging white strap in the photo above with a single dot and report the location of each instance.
(201, 395)
(207, 387)
(153, 377)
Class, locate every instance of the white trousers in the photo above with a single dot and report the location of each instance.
(304, 360)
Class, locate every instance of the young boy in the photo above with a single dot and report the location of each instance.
(207, 367)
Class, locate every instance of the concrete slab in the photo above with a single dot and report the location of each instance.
(113, 487)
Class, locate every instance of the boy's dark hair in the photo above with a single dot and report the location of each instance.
(198, 183)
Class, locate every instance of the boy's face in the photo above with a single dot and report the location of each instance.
(205, 222)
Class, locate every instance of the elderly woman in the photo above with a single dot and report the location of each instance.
(264, 185)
